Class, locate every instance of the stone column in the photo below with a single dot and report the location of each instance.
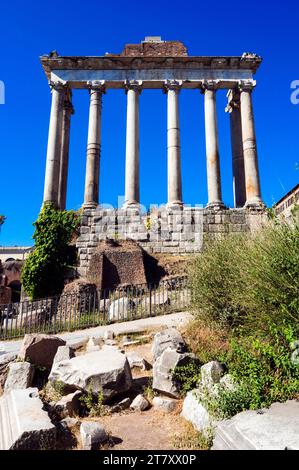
(212, 146)
(233, 108)
(54, 145)
(172, 88)
(252, 180)
(91, 194)
(67, 111)
(132, 187)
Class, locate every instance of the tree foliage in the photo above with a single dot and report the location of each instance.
(44, 269)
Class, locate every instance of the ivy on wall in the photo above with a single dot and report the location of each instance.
(44, 269)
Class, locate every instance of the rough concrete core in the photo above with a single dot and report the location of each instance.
(155, 48)
(117, 264)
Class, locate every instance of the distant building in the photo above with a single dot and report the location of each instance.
(284, 206)
(14, 253)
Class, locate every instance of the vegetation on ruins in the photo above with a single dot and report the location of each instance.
(2, 220)
(44, 269)
(245, 291)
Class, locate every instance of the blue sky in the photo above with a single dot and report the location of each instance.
(30, 29)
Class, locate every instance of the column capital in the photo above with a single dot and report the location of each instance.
(175, 85)
(58, 86)
(135, 85)
(96, 85)
(211, 85)
(246, 85)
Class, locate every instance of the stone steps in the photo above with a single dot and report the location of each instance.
(23, 422)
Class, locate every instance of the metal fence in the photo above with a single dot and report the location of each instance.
(97, 307)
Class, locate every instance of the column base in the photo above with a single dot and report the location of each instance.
(255, 204)
(89, 205)
(131, 205)
(216, 206)
(175, 205)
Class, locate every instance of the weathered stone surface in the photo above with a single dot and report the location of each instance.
(164, 404)
(40, 349)
(121, 309)
(93, 344)
(169, 338)
(121, 405)
(164, 366)
(108, 334)
(106, 370)
(139, 403)
(137, 361)
(24, 424)
(63, 353)
(69, 405)
(211, 374)
(275, 428)
(92, 435)
(116, 263)
(5, 360)
(68, 423)
(20, 375)
(196, 413)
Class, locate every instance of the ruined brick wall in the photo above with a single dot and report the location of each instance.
(164, 231)
(150, 49)
(116, 264)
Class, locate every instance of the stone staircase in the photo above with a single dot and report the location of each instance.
(23, 422)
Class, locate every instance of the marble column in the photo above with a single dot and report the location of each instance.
(67, 111)
(92, 176)
(172, 88)
(252, 180)
(54, 145)
(233, 108)
(132, 185)
(212, 146)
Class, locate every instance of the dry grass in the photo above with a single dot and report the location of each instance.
(207, 342)
(190, 439)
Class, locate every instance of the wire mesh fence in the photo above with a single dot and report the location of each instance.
(98, 307)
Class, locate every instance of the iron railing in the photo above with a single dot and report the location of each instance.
(98, 307)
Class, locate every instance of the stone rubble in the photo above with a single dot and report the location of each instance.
(24, 424)
(169, 338)
(68, 405)
(106, 371)
(20, 375)
(163, 371)
(139, 403)
(63, 353)
(167, 405)
(137, 361)
(92, 435)
(40, 349)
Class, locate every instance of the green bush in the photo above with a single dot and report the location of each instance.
(44, 269)
(249, 280)
(248, 287)
(214, 280)
(187, 376)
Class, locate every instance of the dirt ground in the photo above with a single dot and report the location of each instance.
(147, 430)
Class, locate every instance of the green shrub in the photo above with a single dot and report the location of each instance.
(264, 367)
(187, 376)
(249, 280)
(214, 278)
(94, 403)
(44, 269)
(270, 273)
